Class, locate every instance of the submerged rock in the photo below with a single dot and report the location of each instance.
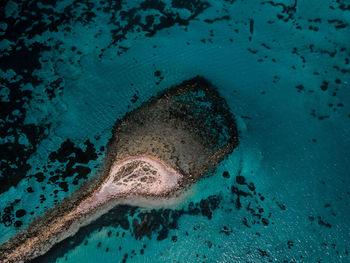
(157, 151)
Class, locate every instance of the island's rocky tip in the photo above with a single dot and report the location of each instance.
(156, 152)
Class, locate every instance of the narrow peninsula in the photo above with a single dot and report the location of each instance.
(156, 152)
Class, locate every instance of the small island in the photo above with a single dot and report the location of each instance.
(156, 152)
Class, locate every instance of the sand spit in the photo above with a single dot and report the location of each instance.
(130, 178)
(156, 152)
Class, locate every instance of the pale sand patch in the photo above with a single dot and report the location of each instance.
(163, 182)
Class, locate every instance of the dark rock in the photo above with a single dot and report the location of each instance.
(20, 213)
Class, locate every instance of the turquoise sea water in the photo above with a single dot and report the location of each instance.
(69, 70)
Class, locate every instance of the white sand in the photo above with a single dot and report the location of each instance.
(166, 180)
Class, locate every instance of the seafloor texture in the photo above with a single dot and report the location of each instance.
(156, 152)
(70, 69)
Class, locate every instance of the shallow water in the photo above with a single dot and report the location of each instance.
(69, 71)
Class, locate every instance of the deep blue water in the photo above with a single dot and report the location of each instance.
(70, 70)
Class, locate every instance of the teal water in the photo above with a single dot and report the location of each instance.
(70, 70)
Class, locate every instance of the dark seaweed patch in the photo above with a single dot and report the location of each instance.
(300, 88)
(208, 205)
(166, 19)
(18, 223)
(323, 223)
(342, 5)
(226, 174)
(211, 21)
(240, 180)
(20, 213)
(25, 137)
(74, 160)
(225, 230)
(338, 24)
(288, 11)
(254, 199)
(263, 253)
(7, 216)
(251, 28)
(324, 85)
(135, 97)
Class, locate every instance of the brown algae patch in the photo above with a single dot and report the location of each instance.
(156, 152)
